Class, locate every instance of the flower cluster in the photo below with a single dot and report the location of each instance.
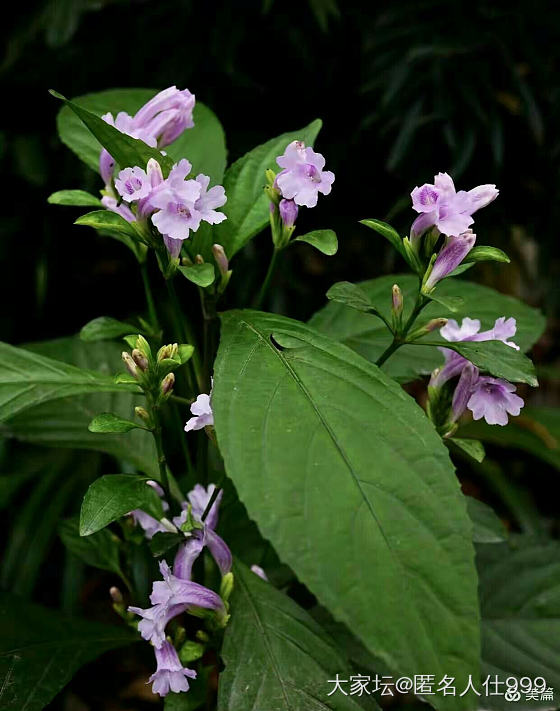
(158, 123)
(176, 205)
(176, 593)
(486, 397)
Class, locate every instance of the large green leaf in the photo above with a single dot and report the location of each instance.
(113, 496)
(101, 549)
(64, 422)
(28, 379)
(41, 650)
(296, 658)
(203, 145)
(247, 208)
(347, 478)
(520, 605)
(367, 335)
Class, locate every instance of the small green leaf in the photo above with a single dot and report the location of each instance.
(109, 221)
(190, 652)
(77, 198)
(472, 447)
(113, 496)
(127, 151)
(323, 240)
(200, 274)
(483, 253)
(185, 352)
(452, 303)
(496, 358)
(350, 295)
(100, 550)
(107, 423)
(487, 527)
(388, 232)
(105, 328)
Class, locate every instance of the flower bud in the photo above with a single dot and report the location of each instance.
(130, 364)
(226, 586)
(140, 359)
(116, 595)
(288, 212)
(167, 384)
(221, 258)
(142, 413)
(432, 325)
(169, 351)
(143, 346)
(397, 300)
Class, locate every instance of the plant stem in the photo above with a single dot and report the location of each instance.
(149, 296)
(159, 449)
(210, 503)
(267, 279)
(185, 335)
(400, 339)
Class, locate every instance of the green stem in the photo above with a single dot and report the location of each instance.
(149, 296)
(267, 279)
(400, 338)
(159, 449)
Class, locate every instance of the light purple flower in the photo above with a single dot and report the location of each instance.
(150, 524)
(303, 177)
(288, 212)
(257, 570)
(110, 203)
(209, 200)
(125, 124)
(493, 399)
(133, 184)
(166, 115)
(463, 390)
(441, 206)
(450, 256)
(170, 674)
(202, 413)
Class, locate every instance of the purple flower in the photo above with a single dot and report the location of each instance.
(441, 206)
(288, 212)
(133, 184)
(170, 674)
(202, 411)
(210, 199)
(303, 177)
(463, 390)
(257, 570)
(150, 524)
(166, 115)
(450, 256)
(493, 399)
(110, 203)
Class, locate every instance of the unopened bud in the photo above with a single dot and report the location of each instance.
(143, 346)
(288, 212)
(140, 359)
(221, 258)
(432, 325)
(198, 259)
(397, 300)
(142, 413)
(273, 195)
(167, 383)
(130, 364)
(116, 595)
(169, 351)
(270, 177)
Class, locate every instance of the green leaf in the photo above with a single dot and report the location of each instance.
(64, 423)
(109, 222)
(451, 303)
(296, 657)
(390, 234)
(323, 240)
(487, 527)
(105, 328)
(483, 253)
(100, 550)
(247, 208)
(520, 604)
(536, 431)
(78, 198)
(200, 274)
(109, 423)
(472, 447)
(350, 295)
(203, 145)
(28, 379)
(496, 358)
(315, 429)
(41, 650)
(113, 496)
(126, 151)
(369, 337)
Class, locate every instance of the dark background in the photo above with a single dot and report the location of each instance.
(405, 90)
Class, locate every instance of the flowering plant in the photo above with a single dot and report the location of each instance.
(259, 452)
